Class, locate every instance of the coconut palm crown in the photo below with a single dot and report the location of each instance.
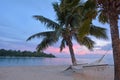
(71, 23)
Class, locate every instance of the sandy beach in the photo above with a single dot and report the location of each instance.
(56, 73)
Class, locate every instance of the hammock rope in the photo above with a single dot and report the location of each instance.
(99, 60)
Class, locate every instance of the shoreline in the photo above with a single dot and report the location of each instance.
(55, 73)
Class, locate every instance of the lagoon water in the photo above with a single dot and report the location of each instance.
(32, 61)
(37, 61)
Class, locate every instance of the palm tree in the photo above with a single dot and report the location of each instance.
(109, 12)
(68, 27)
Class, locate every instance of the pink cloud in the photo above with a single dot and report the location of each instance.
(79, 50)
(52, 50)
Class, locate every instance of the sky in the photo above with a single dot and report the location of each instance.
(17, 24)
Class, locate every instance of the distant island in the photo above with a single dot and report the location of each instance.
(14, 53)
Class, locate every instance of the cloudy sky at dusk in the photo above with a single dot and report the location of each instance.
(17, 24)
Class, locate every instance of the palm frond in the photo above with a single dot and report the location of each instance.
(84, 29)
(75, 21)
(45, 43)
(73, 3)
(89, 9)
(60, 16)
(90, 4)
(102, 17)
(68, 4)
(56, 7)
(62, 45)
(98, 32)
(42, 34)
(86, 41)
(68, 19)
(49, 23)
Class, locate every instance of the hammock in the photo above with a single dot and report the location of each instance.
(98, 61)
(92, 64)
(95, 63)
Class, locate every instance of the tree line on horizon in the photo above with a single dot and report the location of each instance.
(74, 22)
(18, 53)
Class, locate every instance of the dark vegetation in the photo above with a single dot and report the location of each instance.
(14, 53)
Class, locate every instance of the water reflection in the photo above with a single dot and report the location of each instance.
(27, 61)
(24, 61)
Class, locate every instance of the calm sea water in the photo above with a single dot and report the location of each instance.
(36, 61)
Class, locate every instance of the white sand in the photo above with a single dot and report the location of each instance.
(96, 73)
(55, 73)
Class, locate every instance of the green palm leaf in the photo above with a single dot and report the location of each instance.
(84, 29)
(60, 15)
(70, 4)
(86, 41)
(49, 23)
(62, 44)
(45, 43)
(90, 4)
(98, 32)
(42, 34)
(102, 17)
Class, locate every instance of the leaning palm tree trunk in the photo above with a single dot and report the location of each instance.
(72, 56)
(74, 63)
(116, 47)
